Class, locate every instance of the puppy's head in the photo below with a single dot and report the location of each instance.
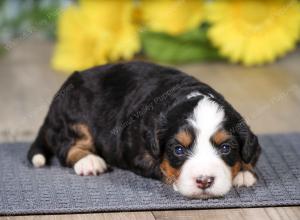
(205, 145)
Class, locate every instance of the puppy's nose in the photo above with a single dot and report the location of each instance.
(204, 182)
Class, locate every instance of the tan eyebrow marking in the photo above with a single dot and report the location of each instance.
(184, 137)
(220, 136)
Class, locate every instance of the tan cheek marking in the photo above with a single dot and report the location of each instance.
(170, 173)
(220, 136)
(235, 169)
(185, 138)
(82, 146)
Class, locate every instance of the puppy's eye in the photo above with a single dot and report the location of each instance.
(179, 150)
(225, 149)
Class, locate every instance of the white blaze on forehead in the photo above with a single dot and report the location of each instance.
(207, 117)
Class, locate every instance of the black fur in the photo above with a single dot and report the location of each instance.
(132, 108)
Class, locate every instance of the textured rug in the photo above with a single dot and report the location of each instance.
(24, 190)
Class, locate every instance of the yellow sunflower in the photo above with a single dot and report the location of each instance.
(254, 31)
(170, 16)
(95, 32)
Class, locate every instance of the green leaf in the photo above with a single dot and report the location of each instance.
(188, 47)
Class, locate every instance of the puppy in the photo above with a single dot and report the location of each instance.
(155, 121)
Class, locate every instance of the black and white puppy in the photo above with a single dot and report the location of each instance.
(155, 121)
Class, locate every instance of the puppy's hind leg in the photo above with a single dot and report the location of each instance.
(39, 152)
(81, 155)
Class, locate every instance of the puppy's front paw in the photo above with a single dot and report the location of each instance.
(90, 165)
(244, 178)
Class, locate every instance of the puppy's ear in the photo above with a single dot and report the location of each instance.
(250, 148)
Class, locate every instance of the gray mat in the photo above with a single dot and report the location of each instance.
(54, 189)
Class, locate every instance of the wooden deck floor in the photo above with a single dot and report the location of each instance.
(268, 96)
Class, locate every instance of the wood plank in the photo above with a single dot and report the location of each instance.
(286, 213)
(95, 216)
(270, 213)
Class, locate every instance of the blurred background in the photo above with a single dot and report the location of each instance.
(248, 50)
